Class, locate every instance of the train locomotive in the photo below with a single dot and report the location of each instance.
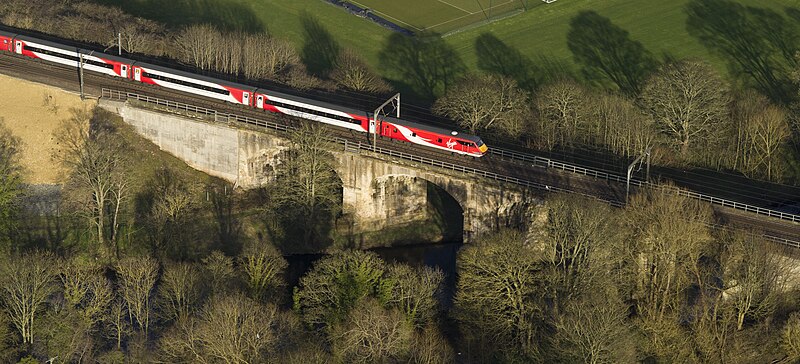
(249, 96)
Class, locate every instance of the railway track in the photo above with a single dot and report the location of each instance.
(515, 166)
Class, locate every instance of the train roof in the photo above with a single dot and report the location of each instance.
(434, 129)
(47, 43)
(196, 76)
(107, 56)
(403, 122)
(7, 34)
(312, 102)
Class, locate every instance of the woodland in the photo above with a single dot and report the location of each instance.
(138, 259)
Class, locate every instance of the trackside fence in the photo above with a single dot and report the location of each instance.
(540, 161)
(537, 161)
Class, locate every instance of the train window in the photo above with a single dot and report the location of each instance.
(69, 57)
(185, 83)
(413, 134)
(311, 111)
(439, 140)
(395, 130)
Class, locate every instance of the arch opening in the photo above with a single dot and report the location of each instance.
(446, 213)
(403, 210)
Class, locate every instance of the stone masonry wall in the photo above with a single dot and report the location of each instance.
(376, 192)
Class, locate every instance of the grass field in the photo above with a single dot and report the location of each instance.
(441, 16)
(658, 24)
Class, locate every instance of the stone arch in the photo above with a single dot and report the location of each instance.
(397, 200)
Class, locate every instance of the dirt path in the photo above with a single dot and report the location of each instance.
(33, 112)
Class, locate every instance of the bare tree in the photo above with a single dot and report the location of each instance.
(689, 101)
(180, 290)
(230, 329)
(669, 235)
(751, 276)
(10, 181)
(496, 301)
(192, 44)
(713, 328)
(561, 114)
(28, 281)
(372, 334)
(353, 73)
(280, 55)
(790, 338)
(94, 157)
(141, 36)
(136, 278)
(266, 57)
(576, 248)
(765, 134)
(297, 76)
(486, 102)
(236, 329)
(220, 272)
(595, 331)
(117, 326)
(416, 293)
(307, 183)
(172, 199)
(181, 343)
(619, 125)
(431, 347)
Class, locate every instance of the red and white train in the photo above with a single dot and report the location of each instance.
(404, 130)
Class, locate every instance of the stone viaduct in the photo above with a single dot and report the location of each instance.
(378, 191)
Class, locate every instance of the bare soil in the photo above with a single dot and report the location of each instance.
(33, 111)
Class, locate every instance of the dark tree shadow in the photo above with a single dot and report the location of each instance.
(424, 66)
(757, 44)
(223, 206)
(793, 14)
(42, 225)
(320, 51)
(494, 56)
(225, 15)
(447, 213)
(606, 53)
(178, 234)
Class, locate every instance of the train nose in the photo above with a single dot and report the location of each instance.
(483, 148)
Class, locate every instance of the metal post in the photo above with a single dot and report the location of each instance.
(377, 122)
(628, 179)
(80, 72)
(119, 42)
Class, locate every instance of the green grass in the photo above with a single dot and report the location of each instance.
(659, 25)
(541, 31)
(279, 17)
(440, 16)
